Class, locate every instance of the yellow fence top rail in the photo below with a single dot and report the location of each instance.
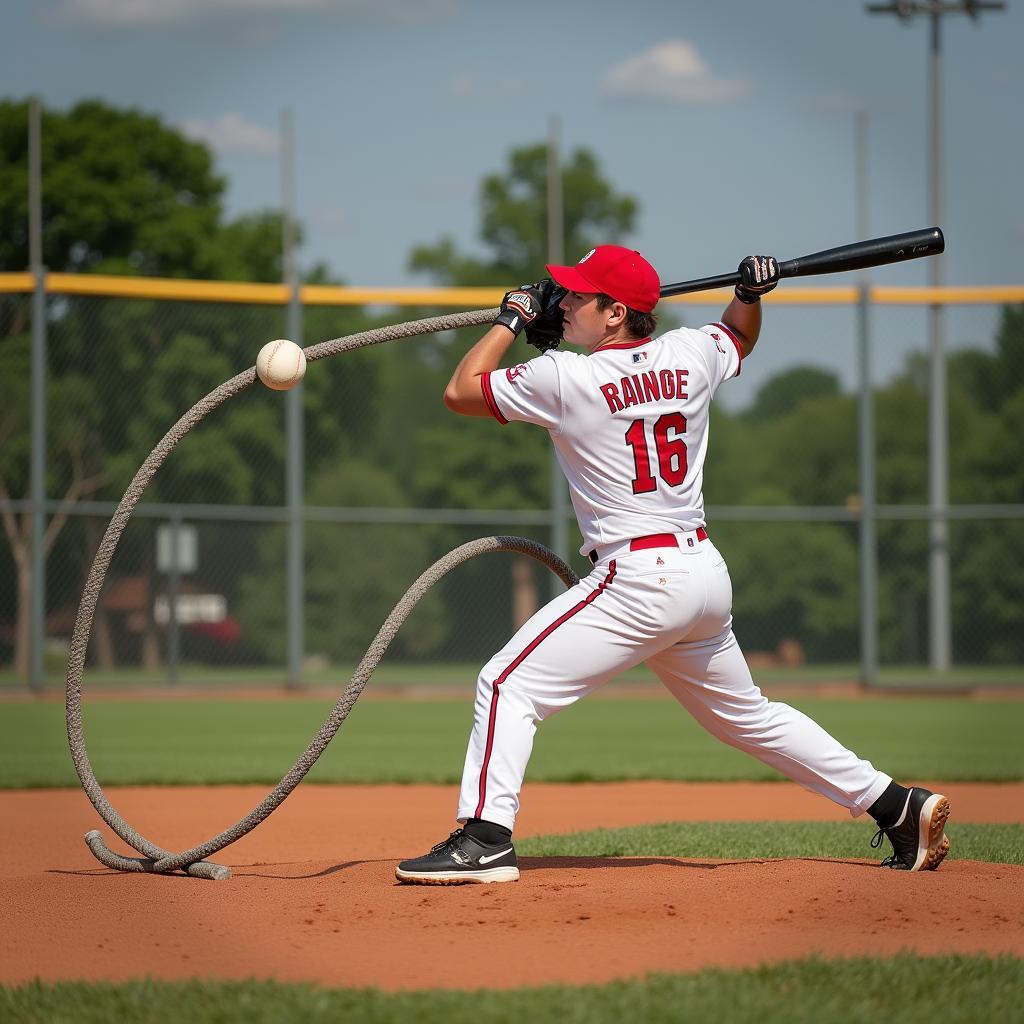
(115, 286)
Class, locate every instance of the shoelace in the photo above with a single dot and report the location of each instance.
(876, 842)
(444, 842)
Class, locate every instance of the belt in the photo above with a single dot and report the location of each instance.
(652, 540)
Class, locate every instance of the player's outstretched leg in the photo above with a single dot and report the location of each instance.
(712, 681)
(917, 835)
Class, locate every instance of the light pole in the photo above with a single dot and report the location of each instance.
(939, 618)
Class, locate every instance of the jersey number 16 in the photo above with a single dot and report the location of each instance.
(671, 452)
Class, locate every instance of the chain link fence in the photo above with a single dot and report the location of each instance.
(196, 590)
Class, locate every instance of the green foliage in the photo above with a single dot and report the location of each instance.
(786, 390)
(355, 574)
(122, 193)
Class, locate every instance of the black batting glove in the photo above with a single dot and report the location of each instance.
(546, 331)
(520, 308)
(758, 276)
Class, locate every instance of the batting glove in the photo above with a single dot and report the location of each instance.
(520, 308)
(758, 276)
(546, 331)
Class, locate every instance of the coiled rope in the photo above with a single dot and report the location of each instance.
(154, 858)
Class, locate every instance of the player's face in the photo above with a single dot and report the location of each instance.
(585, 324)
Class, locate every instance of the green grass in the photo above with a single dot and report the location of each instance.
(745, 840)
(458, 673)
(905, 989)
(238, 741)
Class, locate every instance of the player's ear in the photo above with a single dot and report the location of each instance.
(619, 312)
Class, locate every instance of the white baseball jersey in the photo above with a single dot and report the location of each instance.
(629, 423)
(630, 427)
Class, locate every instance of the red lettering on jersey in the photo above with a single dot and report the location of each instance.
(651, 390)
(611, 396)
(681, 383)
(513, 371)
(668, 384)
(629, 396)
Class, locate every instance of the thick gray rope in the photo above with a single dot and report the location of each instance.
(155, 858)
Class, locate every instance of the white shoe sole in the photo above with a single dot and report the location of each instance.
(506, 874)
(932, 843)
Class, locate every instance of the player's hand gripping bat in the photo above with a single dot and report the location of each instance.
(873, 252)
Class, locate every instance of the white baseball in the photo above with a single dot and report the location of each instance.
(281, 364)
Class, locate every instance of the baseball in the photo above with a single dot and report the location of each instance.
(281, 364)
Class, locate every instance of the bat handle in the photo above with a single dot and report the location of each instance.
(703, 285)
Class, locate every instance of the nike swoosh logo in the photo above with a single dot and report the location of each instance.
(495, 856)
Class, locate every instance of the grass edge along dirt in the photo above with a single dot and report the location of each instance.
(758, 840)
(904, 989)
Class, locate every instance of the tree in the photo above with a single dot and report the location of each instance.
(355, 574)
(124, 193)
(786, 390)
(514, 220)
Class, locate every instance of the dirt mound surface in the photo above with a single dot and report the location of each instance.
(313, 895)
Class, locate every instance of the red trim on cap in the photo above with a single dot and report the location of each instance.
(485, 387)
(734, 340)
(624, 344)
(530, 647)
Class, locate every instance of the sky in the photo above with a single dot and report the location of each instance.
(731, 123)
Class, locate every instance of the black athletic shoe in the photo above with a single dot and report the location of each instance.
(460, 859)
(918, 838)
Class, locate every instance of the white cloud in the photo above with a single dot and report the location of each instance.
(153, 13)
(232, 133)
(672, 71)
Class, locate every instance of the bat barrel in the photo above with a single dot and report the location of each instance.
(874, 252)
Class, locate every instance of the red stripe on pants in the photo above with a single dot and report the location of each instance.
(514, 665)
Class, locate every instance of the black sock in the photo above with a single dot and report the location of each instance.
(889, 806)
(487, 832)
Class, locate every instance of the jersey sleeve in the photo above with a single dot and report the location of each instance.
(528, 392)
(723, 353)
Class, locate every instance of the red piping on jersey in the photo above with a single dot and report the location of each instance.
(734, 340)
(530, 647)
(623, 344)
(485, 387)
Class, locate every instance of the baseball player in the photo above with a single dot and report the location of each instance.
(628, 418)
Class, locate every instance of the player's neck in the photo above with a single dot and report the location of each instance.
(618, 337)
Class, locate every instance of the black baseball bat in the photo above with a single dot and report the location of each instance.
(873, 252)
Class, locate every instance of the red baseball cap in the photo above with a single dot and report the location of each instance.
(619, 272)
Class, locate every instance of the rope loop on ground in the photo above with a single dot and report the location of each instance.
(155, 858)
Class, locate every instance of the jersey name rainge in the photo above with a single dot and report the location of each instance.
(639, 388)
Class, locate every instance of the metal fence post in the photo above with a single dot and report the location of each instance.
(37, 469)
(868, 545)
(556, 254)
(173, 593)
(294, 426)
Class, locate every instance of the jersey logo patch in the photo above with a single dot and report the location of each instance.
(513, 371)
(639, 357)
(718, 342)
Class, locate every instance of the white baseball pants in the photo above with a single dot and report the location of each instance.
(671, 608)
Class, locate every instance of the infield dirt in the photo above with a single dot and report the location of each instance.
(313, 895)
